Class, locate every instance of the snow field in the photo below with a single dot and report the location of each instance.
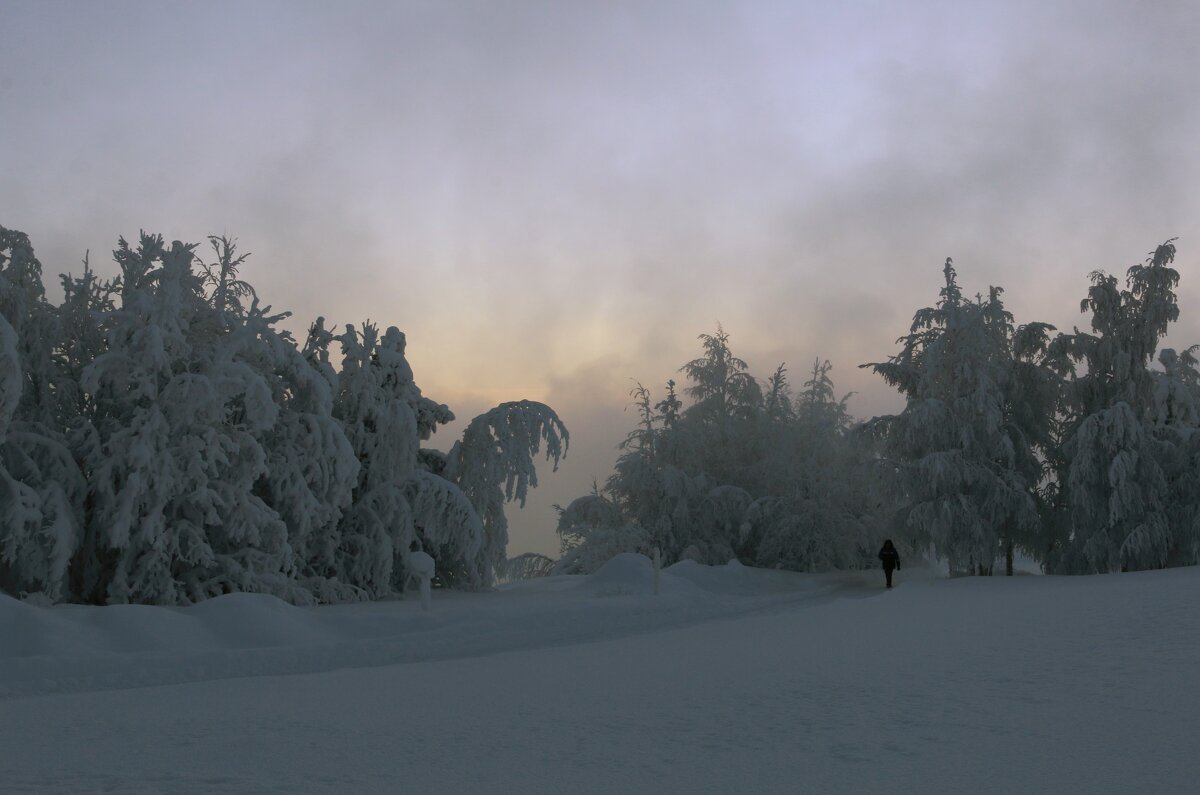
(731, 680)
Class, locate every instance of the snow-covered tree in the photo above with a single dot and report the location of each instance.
(592, 531)
(447, 527)
(10, 376)
(23, 304)
(87, 303)
(382, 429)
(722, 388)
(1175, 418)
(41, 489)
(817, 407)
(493, 464)
(1125, 496)
(727, 402)
(398, 506)
(163, 440)
(777, 402)
(176, 457)
(311, 469)
(817, 514)
(965, 456)
(758, 474)
(585, 516)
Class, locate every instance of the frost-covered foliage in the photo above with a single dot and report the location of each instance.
(162, 440)
(1128, 498)
(446, 526)
(747, 470)
(177, 453)
(593, 531)
(382, 429)
(603, 543)
(965, 448)
(721, 388)
(494, 463)
(23, 304)
(584, 516)
(10, 376)
(311, 469)
(41, 489)
(1076, 449)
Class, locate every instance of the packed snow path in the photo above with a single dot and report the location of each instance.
(991, 684)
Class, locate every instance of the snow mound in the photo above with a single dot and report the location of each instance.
(733, 577)
(624, 575)
(254, 620)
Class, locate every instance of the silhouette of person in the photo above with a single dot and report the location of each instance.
(890, 558)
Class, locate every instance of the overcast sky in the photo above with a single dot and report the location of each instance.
(552, 199)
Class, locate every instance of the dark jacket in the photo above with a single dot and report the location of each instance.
(890, 558)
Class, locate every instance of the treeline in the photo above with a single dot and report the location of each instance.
(1070, 447)
(162, 441)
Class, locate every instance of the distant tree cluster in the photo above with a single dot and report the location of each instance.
(1071, 447)
(162, 441)
(752, 471)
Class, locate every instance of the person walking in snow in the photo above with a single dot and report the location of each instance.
(890, 558)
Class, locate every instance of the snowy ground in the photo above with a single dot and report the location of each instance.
(729, 680)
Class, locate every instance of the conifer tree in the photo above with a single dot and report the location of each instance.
(41, 488)
(174, 517)
(1125, 429)
(967, 467)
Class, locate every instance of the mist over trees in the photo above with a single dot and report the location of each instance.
(1071, 448)
(769, 475)
(163, 441)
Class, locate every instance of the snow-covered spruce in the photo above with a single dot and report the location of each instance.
(965, 450)
(41, 488)
(1129, 496)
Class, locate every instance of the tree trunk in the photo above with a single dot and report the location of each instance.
(1008, 558)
